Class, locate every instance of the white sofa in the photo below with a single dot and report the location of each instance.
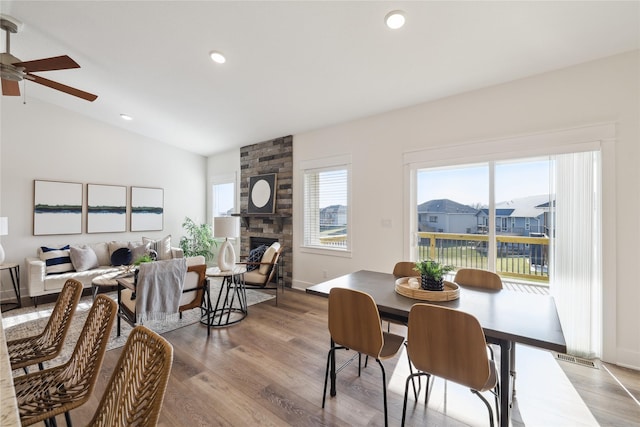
(41, 282)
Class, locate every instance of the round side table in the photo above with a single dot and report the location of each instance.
(231, 302)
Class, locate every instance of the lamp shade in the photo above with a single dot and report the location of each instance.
(226, 226)
(4, 226)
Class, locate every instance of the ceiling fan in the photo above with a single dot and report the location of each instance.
(13, 70)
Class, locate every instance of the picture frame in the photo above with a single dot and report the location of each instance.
(147, 209)
(106, 208)
(57, 207)
(262, 193)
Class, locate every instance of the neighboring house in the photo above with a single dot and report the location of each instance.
(447, 216)
(519, 217)
(333, 216)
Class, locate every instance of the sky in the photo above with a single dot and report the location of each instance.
(469, 185)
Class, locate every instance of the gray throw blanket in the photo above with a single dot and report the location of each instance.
(159, 289)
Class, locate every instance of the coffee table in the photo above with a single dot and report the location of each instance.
(107, 280)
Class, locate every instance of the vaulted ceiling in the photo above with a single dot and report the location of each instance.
(299, 65)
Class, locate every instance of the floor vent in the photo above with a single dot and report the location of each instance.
(576, 360)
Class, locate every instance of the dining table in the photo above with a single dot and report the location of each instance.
(507, 317)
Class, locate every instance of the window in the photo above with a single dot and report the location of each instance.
(564, 226)
(223, 195)
(433, 218)
(326, 207)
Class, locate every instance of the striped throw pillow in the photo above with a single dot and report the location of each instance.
(57, 260)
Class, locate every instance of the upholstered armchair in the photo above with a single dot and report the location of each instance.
(261, 274)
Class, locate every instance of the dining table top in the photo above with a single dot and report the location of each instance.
(514, 316)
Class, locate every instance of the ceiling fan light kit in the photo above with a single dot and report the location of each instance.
(13, 70)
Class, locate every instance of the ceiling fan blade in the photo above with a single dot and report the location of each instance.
(10, 88)
(63, 88)
(48, 64)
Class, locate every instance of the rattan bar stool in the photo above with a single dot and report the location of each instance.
(136, 389)
(44, 394)
(37, 349)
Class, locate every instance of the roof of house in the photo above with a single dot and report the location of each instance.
(524, 207)
(445, 206)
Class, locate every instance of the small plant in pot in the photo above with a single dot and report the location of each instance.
(432, 274)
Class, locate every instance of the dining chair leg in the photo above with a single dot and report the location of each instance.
(415, 392)
(488, 405)
(384, 392)
(67, 418)
(411, 378)
(330, 354)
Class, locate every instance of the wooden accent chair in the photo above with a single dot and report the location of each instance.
(449, 344)
(267, 269)
(135, 392)
(485, 279)
(194, 293)
(354, 324)
(44, 394)
(405, 269)
(478, 278)
(37, 349)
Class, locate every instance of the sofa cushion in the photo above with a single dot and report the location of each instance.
(138, 251)
(115, 245)
(161, 246)
(57, 260)
(102, 252)
(83, 258)
(255, 255)
(121, 256)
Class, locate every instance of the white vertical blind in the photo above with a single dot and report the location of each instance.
(576, 273)
(326, 208)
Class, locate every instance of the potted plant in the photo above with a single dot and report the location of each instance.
(198, 241)
(432, 274)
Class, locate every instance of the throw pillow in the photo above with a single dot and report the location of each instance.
(161, 246)
(57, 260)
(83, 258)
(121, 256)
(267, 257)
(255, 255)
(138, 251)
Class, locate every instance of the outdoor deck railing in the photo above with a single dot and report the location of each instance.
(517, 256)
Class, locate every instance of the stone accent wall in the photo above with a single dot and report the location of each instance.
(275, 156)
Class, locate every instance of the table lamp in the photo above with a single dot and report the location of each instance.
(4, 230)
(227, 227)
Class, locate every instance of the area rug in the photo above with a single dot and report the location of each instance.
(31, 321)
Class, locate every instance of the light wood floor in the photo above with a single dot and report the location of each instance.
(269, 370)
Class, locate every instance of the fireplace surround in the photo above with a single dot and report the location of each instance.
(269, 157)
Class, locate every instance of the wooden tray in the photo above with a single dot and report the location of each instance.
(451, 291)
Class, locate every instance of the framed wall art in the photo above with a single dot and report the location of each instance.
(106, 208)
(262, 193)
(57, 208)
(147, 209)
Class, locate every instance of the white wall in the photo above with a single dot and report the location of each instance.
(602, 91)
(44, 142)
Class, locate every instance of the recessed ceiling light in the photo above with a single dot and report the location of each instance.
(217, 57)
(126, 117)
(395, 19)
